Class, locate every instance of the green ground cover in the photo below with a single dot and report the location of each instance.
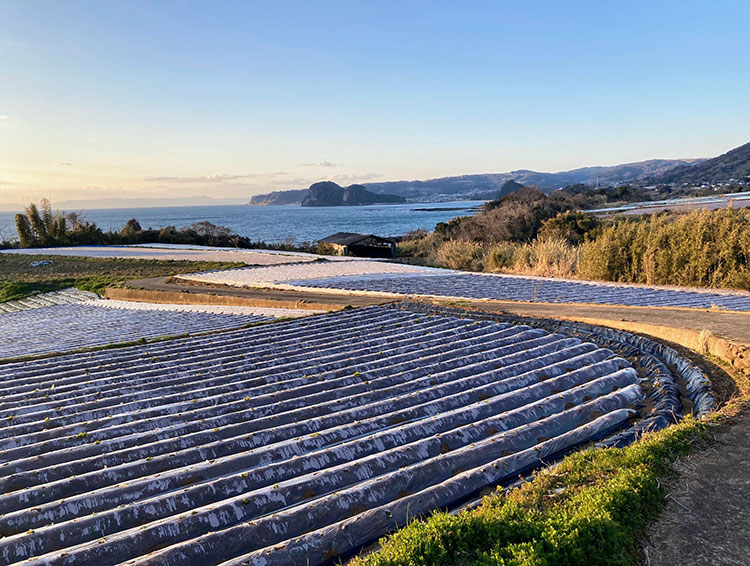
(19, 279)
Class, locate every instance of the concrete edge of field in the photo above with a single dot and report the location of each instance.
(704, 342)
(723, 334)
(178, 298)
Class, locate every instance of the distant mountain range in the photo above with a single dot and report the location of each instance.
(734, 164)
(488, 186)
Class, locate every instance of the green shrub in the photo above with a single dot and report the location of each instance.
(500, 257)
(516, 217)
(419, 243)
(703, 248)
(460, 254)
(574, 227)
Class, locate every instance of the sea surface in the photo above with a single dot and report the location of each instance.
(280, 223)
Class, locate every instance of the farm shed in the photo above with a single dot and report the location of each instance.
(361, 245)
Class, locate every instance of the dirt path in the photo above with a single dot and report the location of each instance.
(733, 325)
(161, 289)
(707, 518)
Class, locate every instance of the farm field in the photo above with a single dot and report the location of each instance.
(405, 280)
(170, 253)
(23, 275)
(271, 312)
(62, 328)
(71, 295)
(295, 442)
(288, 274)
(536, 290)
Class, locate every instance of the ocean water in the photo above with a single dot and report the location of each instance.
(281, 223)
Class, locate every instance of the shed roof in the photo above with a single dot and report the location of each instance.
(348, 238)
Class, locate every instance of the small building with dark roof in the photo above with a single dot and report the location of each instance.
(359, 245)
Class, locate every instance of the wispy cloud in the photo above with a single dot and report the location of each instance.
(321, 163)
(304, 182)
(218, 178)
(66, 162)
(353, 178)
(4, 117)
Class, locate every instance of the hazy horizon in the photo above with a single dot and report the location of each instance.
(173, 100)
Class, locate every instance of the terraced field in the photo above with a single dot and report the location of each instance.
(67, 296)
(532, 289)
(271, 312)
(66, 327)
(166, 252)
(296, 442)
(378, 277)
(283, 274)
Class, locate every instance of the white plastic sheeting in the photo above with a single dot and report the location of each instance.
(271, 312)
(287, 442)
(174, 252)
(456, 284)
(137, 252)
(62, 328)
(68, 296)
(278, 276)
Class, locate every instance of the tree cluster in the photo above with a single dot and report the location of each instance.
(39, 227)
(517, 217)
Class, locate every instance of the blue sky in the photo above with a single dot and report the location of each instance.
(229, 99)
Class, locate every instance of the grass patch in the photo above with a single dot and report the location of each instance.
(593, 508)
(19, 279)
(590, 509)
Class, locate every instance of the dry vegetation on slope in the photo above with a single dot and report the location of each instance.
(517, 235)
